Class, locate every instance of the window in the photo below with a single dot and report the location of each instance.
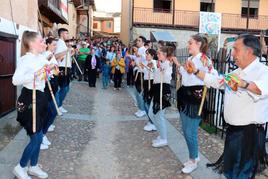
(207, 5)
(162, 6)
(95, 25)
(108, 25)
(252, 5)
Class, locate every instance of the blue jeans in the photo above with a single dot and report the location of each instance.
(52, 113)
(147, 107)
(190, 131)
(234, 153)
(105, 81)
(61, 94)
(32, 150)
(140, 101)
(159, 121)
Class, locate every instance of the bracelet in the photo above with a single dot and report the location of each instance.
(197, 71)
(246, 86)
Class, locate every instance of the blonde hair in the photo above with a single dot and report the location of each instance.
(27, 37)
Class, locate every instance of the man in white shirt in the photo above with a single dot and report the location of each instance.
(62, 54)
(140, 58)
(245, 109)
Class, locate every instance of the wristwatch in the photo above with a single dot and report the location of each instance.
(197, 71)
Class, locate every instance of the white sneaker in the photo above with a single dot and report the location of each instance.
(191, 166)
(189, 161)
(63, 110)
(37, 171)
(149, 127)
(157, 139)
(43, 147)
(60, 113)
(21, 173)
(51, 129)
(45, 140)
(141, 114)
(136, 113)
(160, 143)
(52, 125)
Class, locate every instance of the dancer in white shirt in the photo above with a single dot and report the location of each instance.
(148, 69)
(140, 58)
(189, 97)
(161, 94)
(63, 55)
(25, 75)
(245, 109)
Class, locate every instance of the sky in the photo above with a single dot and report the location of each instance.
(108, 5)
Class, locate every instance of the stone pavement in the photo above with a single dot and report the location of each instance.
(101, 139)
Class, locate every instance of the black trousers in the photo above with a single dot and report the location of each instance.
(82, 67)
(130, 77)
(117, 79)
(92, 74)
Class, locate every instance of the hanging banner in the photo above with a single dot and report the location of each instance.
(210, 23)
(64, 8)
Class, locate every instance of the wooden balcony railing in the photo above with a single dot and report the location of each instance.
(191, 19)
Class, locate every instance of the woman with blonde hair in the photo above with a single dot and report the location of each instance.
(28, 66)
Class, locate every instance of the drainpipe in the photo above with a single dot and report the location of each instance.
(88, 23)
(248, 15)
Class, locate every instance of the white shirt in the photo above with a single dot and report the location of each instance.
(147, 72)
(243, 107)
(61, 47)
(137, 61)
(166, 70)
(191, 79)
(27, 66)
(141, 52)
(52, 60)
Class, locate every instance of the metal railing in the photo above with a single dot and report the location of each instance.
(191, 19)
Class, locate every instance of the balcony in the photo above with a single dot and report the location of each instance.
(179, 18)
(51, 10)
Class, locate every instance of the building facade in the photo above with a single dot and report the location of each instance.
(181, 17)
(107, 23)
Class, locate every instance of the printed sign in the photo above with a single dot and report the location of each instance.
(210, 23)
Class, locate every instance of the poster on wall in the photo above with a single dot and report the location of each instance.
(64, 8)
(210, 23)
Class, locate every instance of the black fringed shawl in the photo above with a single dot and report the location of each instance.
(166, 95)
(189, 99)
(253, 148)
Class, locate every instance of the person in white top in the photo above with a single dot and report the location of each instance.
(245, 109)
(161, 94)
(189, 97)
(63, 56)
(28, 65)
(52, 112)
(139, 59)
(148, 69)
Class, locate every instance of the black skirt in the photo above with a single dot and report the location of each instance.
(138, 80)
(54, 85)
(147, 96)
(24, 108)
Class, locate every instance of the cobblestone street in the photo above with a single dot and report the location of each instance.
(101, 138)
